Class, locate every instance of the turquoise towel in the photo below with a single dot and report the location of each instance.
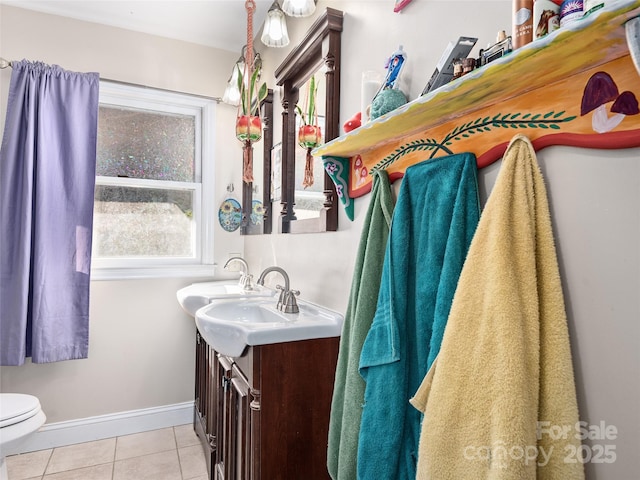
(348, 391)
(433, 223)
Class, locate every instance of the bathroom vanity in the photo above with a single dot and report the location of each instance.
(265, 414)
(265, 369)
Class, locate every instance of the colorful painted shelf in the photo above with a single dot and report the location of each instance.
(542, 90)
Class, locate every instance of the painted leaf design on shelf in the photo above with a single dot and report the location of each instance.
(549, 120)
(414, 146)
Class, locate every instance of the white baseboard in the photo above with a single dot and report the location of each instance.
(60, 434)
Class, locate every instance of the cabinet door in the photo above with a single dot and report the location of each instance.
(211, 408)
(224, 430)
(234, 426)
(205, 414)
(240, 445)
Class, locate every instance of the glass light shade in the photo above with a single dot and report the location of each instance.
(299, 8)
(237, 68)
(275, 32)
(231, 93)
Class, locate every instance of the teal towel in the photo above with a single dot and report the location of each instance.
(433, 223)
(348, 391)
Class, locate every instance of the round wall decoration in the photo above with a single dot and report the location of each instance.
(230, 214)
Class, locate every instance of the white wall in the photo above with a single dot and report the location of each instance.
(140, 358)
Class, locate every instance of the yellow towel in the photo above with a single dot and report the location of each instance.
(499, 402)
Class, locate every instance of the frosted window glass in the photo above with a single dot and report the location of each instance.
(153, 214)
(143, 222)
(137, 143)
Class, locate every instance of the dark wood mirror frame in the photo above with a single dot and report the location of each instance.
(247, 188)
(320, 47)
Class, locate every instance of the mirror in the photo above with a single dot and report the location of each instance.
(315, 208)
(309, 197)
(256, 196)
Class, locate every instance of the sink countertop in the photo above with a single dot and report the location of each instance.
(197, 295)
(229, 325)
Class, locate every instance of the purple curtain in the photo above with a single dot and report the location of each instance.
(47, 179)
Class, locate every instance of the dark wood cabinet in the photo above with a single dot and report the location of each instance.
(234, 434)
(267, 415)
(205, 418)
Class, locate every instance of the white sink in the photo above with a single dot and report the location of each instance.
(197, 295)
(229, 326)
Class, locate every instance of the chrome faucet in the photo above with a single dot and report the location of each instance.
(246, 280)
(287, 299)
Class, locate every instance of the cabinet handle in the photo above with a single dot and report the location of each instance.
(211, 439)
(255, 402)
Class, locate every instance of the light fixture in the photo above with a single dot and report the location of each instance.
(232, 93)
(275, 32)
(299, 8)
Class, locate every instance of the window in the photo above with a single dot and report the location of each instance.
(154, 183)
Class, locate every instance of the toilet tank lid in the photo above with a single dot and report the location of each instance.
(17, 404)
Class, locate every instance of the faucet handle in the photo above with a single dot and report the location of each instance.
(246, 282)
(281, 297)
(291, 305)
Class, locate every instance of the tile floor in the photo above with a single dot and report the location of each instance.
(172, 453)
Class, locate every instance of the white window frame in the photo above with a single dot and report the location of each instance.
(203, 109)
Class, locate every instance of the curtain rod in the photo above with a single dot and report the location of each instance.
(121, 82)
(5, 63)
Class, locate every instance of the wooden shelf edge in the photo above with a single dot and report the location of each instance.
(558, 50)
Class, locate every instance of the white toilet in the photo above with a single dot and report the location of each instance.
(20, 416)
